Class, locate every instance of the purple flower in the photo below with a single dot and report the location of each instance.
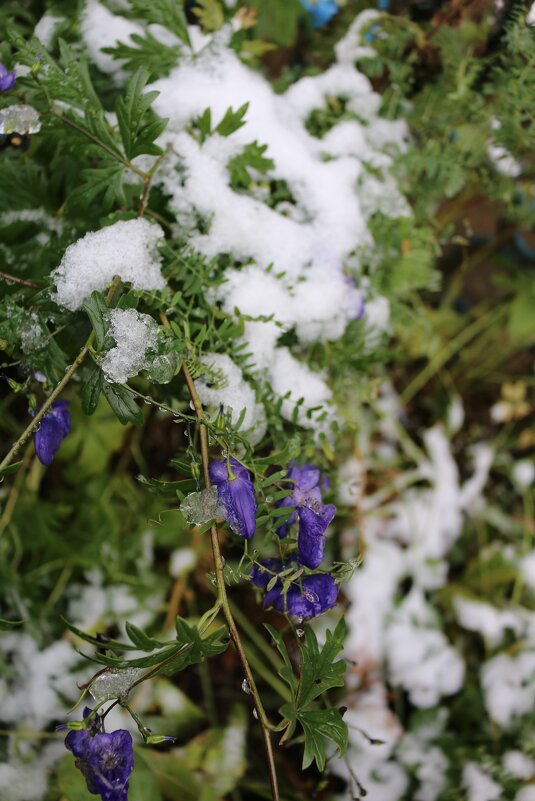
(321, 11)
(235, 491)
(105, 760)
(53, 429)
(7, 79)
(314, 516)
(305, 598)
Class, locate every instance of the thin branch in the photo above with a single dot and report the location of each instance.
(223, 597)
(13, 279)
(56, 392)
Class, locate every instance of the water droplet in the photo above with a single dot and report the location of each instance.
(192, 405)
(245, 687)
(300, 632)
(37, 427)
(147, 401)
(269, 499)
(224, 453)
(223, 562)
(255, 713)
(162, 409)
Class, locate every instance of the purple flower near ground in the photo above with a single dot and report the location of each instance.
(314, 516)
(236, 493)
(7, 79)
(321, 11)
(105, 760)
(305, 598)
(53, 429)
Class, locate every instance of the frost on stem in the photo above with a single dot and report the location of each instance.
(111, 683)
(200, 507)
(126, 248)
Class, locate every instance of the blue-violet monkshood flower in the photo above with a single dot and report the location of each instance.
(7, 79)
(305, 598)
(236, 493)
(53, 429)
(105, 760)
(321, 11)
(314, 516)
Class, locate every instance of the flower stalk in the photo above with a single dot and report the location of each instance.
(222, 597)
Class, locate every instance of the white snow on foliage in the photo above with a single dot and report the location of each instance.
(225, 386)
(293, 255)
(25, 776)
(30, 697)
(485, 618)
(418, 654)
(479, 785)
(126, 248)
(135, 335)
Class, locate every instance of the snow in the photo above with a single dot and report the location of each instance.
(30, 697)
(519, 764)
(508, 686)
(490, 622)
(523, 474)
(224, 386)
(182, 561)
(46, 28)
(126, 248)
(479, 785)
(418, 654)
(135, 335)
(100, 28)
(27, 779)
(291, 260)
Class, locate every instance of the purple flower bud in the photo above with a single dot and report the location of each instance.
(314, 516)
(105, 760)
(236, 493)
(7, 79)
(53, 429)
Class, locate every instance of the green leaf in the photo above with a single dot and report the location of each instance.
(91, 389)
(232, 120)
(169, 13)
(142, 640)
(123, 404)
(151, 54)
(96, 310)
(138, 125)
(113, 645)
(319, 725)
(10, 468)
(320, 671)
(286, 673)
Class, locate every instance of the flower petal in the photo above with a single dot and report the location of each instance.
(316, 595)
(238, 498)
(310, 539)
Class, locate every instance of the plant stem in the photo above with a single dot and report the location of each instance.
(15, 280)
(223, 597)
(58, 389)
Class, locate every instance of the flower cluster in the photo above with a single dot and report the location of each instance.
(105, 760)
(314, 594)
(311, 595)
(305, 598)
(53, 429)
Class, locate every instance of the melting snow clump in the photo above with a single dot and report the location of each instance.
(135, 334)
(126, 248)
